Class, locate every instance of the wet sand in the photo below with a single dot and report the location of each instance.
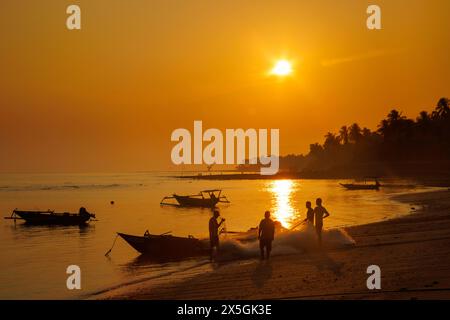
(413, 253)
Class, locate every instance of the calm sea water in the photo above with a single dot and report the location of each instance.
(33, 259)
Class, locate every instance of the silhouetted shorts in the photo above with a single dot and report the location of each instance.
(265, 243)
(214, 242)
(319, 228)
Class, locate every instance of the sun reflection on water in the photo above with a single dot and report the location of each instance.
(283, 209)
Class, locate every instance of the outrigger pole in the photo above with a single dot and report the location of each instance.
(13, 216)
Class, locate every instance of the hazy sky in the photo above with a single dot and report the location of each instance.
(107, 97)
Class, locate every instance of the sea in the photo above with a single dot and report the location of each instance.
(34, 259)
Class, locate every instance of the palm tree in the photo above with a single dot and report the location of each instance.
(330, 140)
(343, 135)
(424, 119)
(366, 133)
(391, 123)
(355, 133)
(395, 116)
(383, 127)
(442, 108)
(315, 149)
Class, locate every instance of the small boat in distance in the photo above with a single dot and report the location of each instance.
(52, 218)
(204, 199)
(365, 186)
(166, 246)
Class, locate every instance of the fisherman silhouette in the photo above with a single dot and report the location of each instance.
(214, 232)
(266, 234)
(320, 213)
(309, 213)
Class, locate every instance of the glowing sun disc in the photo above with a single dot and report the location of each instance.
(282, 68)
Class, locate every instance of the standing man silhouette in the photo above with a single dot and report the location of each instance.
(309, 213)
(320, 213)
(266, 234)
(214, 232)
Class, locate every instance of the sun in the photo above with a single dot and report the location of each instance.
(282, 68)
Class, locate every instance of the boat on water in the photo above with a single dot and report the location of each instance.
(166, 246)
(52, 218)
(360, 186)
(203, 199)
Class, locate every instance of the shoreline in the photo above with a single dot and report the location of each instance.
(433, 181)
(412, 252)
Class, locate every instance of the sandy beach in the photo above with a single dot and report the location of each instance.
(413, 253)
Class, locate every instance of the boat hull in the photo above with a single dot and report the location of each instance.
(188, 201)
(166, 246)
(39, 218)
(360, 186)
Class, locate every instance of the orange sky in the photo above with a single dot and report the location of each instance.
(107, 98)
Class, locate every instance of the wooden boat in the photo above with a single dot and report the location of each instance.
(52, 218)
(166, 246)
(365, 186)
(204, 199)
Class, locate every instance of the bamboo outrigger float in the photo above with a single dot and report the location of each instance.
(204, 199)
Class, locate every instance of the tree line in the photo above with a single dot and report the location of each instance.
(398, 144)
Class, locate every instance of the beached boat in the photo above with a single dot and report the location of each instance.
(204, 199)
(166, 246)
(52, 218)
(365, 186)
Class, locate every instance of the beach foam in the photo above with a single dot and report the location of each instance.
(287, 242)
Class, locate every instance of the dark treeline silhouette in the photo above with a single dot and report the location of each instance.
(399, 147)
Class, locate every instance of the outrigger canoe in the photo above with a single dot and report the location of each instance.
(166, 245)
(351, 186)
(204, 199)
(52, 218)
